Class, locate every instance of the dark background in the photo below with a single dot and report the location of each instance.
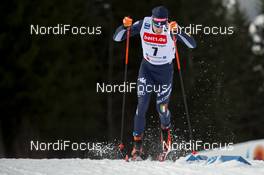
(48, 83)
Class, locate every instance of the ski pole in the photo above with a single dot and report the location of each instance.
(182, 88)
(121, 146)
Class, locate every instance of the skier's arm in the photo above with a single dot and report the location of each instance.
(120, 33)
(187, 39)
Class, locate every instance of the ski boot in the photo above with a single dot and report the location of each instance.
(120, 151)
(137, 149)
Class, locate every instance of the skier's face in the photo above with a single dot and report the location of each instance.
(157, 30)
(159, 25)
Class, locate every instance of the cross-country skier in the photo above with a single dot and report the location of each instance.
(156, 70)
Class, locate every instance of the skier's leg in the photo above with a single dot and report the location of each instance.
(163, 84)
(165, 116)
(163, 81)
(142, 107)
(143, 94)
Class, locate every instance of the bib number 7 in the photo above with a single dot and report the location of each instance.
(155, 51)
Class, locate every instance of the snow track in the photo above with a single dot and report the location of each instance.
(120, 167)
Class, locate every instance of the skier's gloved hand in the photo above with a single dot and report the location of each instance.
(127, 21)
(173, 26)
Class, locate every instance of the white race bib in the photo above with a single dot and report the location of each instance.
(158, 49)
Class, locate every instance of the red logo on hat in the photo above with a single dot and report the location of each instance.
(160, 19)
(155, 38)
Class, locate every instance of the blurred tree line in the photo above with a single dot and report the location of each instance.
(48, 83)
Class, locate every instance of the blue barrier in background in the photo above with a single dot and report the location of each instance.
(214, 159)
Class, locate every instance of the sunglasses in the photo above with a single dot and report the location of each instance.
(159, 22)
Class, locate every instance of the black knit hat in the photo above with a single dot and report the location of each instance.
(160, 12)
(160, 16)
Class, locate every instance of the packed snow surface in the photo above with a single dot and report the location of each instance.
(120, 167)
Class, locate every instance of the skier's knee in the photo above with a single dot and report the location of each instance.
(162, 109)
(164, 115)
